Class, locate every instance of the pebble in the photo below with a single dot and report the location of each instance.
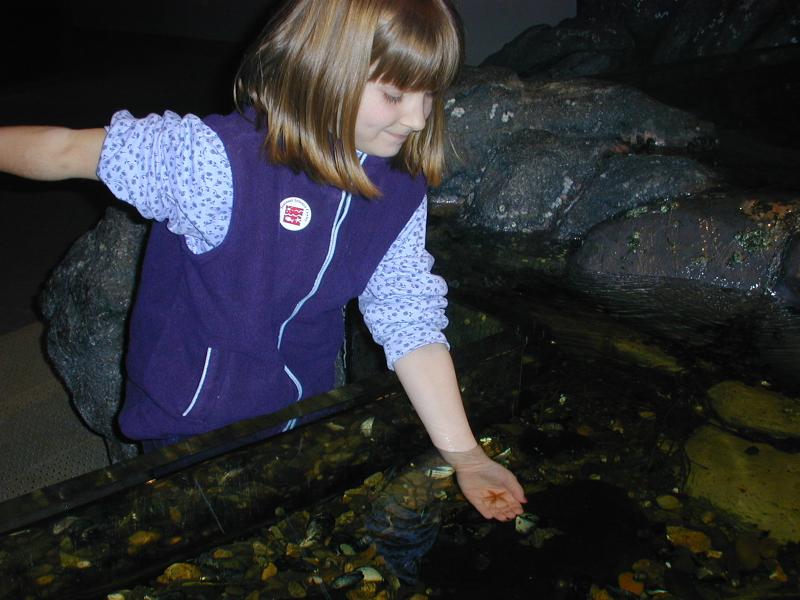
(668, 502)
(371, 574)
(776, 571)
(695, 541)
(296, 589)
(45, 580)
(269, 571)
(142, 538)
(628, 582)
(180, 572)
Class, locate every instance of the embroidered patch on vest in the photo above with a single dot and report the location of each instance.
(295, 214)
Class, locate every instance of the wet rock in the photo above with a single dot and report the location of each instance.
(528, 181)
(756, 408)
(706, 238)
(788, 286)
(714, 27)
(521, 153)
(625, 181)
(179, 572)
(759, 488)
(646, 355)
(782, 29)
(695, 541)
(715, 271)
(86, 302)
(610, 36)
(627, 581)
(644, 20)
(668, 502)
(573, 49)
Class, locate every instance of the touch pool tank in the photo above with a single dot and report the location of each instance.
(125, 525)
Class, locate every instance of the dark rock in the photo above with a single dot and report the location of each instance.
(708, 238)
(86, 302)
(782, 30)
(583, 64)
(714, 27)
(788, 287)
(596, 109)
(609, 37)
(560, 51)
(644, 20)
(626, 181)
(529, 180)
(521, 152)
(704, 274)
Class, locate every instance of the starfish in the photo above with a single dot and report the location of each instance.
(495, 497)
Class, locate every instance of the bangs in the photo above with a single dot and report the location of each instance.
(417, 46)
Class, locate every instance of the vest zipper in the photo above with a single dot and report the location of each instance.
(200, 384)
(341, 213)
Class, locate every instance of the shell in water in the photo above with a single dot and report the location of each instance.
(366, 427)
(440, 472)
(525, 522)
(371, 574)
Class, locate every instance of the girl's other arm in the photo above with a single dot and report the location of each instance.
(429, 379)
(50, 153)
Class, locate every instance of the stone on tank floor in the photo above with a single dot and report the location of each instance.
(754, 482)
(756, 408)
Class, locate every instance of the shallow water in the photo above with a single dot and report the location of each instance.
(597, 442)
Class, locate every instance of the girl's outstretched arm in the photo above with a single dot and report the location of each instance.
(50, 153)
(429, 379)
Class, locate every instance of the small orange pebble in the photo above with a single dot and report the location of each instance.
(649, 570)
(695, 541)
(628, 582)
(142, 538)
(269, 571)
(584, 430)
(45, 580)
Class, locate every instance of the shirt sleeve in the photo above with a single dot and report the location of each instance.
(403, 303)
(172, 169)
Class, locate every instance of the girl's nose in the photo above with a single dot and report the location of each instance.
(416, 113)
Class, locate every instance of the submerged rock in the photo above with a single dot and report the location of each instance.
(707, 238)
(753, 482)
(756, 408)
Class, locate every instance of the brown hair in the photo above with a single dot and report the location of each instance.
(306, 75)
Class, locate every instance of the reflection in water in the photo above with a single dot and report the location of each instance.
(405, 519)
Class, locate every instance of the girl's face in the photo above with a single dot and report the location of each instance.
(387, 116)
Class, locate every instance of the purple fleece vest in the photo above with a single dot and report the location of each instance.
(255, 324)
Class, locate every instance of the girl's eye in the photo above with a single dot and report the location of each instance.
(392, 99)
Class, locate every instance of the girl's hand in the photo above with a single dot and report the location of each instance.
(490, 487)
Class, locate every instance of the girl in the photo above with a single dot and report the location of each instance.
(270, 219)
